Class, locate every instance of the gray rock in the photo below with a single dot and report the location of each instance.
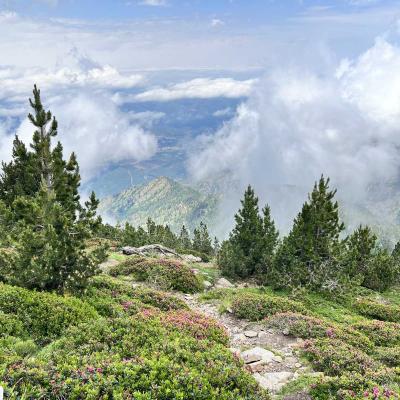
(191, 258)
(207, 284)
(273, 381)
(250, 334)
(223, 283)
(258, 354)
(286, 332)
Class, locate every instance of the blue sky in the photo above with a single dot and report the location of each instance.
(134, 82)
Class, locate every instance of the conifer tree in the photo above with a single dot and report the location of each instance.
(47, 226)
(252, 242)
(184, 239)
(313, 238)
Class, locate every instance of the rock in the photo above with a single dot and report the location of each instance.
(278, 359)
(223, 283)
(207, 284)
(191, 258)
(256, 366)
(229, 310)
(270, 331)
(273, 381)
(297, 365)
(150, 249)
(188, 297)
(286, 332)
(195, 271)
(257, 354)
(250, 334)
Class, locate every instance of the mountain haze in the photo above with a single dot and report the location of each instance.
(164, 200)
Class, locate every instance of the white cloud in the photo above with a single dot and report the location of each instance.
(95, 129)
(200, 88)
(224, 112)
(217, 22)
(297, 125)
(154, 3)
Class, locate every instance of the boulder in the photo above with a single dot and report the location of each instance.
(250, 334)
(191, 258)
(223, 283)
(258, 354)
(273, 381)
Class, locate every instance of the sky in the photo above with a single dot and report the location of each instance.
(264, 91)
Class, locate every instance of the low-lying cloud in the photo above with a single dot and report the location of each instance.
(297, 125)
(200, 88)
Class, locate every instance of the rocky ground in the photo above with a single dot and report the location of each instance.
(271, 356)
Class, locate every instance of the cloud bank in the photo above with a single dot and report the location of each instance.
(298, 124)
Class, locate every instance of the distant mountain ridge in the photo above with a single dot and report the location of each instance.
(163, 199)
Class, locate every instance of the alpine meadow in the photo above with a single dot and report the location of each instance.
(200, 200)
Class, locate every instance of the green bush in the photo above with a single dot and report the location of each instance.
(390, 356)
(255, 307)
(375, 310)
(381, 333)
(10, 325)
(161, 272)
(334, 357)
(307, 327)
(374, 384)
(139, 358)
(44, 315)
(106, 294)
(197, 325)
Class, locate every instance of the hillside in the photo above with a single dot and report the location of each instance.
(164, 200)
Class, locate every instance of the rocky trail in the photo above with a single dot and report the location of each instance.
(270, 356)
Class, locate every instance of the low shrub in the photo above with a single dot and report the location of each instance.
(375, 310)
(106, 294)
(44, 315)
(197, 325)
(374, 384)
(10, 325)
(381, 333)
(139, 358)
(164, 273)
(308, 327)
(255, 307)
(334, 357)
(389, 356)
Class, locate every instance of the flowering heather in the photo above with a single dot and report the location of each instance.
(198, 325)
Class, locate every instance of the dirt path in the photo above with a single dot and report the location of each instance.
(269, 355)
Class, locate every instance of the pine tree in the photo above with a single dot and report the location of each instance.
(313, 238)
(252, 242)
(216, 246)
(47, 226)
(184, 239)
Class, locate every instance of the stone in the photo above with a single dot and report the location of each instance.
(278, 359)
(191, 258)
(223, 283)
(297, 365)
(250, 334)
(229, 310)
(271, 331)
(258, 354)
(207, 284)
(257, 366)
(273, 381)
(286, 332)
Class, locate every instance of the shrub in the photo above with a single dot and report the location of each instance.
(11, 325)
(334, 357)
(255, 307)
(381, 333)
(307, 327)
(106, 293)
(132, 358)
(161, 272)
(44, 315)
(375, 310)
(197, 325)
(374, 384)
(389, 355)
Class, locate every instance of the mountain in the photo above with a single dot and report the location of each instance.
(163, 199)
